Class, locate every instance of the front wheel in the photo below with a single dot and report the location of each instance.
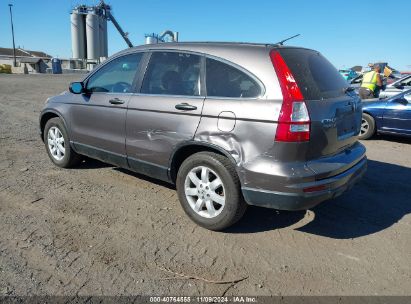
(209, 191)
(57, 144)
(367, 127)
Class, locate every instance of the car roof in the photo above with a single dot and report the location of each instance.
(206, 43)
(207, 47)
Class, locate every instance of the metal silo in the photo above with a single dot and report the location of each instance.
(78, 35)
(151, 39)
(93, 37)
(103, 37)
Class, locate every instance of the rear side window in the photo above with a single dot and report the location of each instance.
(171, 73)
(316, 77)
(116, 76)
(223, 80)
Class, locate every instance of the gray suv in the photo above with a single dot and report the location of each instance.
(230, 124)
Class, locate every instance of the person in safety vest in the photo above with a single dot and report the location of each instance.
(371, 83)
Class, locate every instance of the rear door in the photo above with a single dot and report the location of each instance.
(335, 114)
(166, 111)
(98, 117)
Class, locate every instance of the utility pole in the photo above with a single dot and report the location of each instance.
(12, 34)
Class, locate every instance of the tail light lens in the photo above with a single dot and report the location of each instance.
(294, 120)
(315, 188)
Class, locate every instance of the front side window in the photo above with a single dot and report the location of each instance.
(406, 82)
(223, 80)
(117, 76)
(171, 73)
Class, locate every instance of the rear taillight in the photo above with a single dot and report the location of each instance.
(315, 188)
(294, 120)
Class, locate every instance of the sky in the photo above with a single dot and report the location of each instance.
(348, 33)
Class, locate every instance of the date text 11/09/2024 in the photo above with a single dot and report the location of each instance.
(234, 299)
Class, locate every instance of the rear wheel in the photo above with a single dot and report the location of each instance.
(57, 144)
(367, 127)
(209, 191)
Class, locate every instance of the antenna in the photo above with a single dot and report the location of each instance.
(282, 41)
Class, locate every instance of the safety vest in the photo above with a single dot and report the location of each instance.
(369, 80)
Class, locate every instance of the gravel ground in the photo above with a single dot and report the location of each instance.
(100, 230)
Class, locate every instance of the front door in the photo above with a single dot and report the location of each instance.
(397, 115)
(165, 113)
(98, 116)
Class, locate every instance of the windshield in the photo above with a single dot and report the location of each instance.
(405, 81)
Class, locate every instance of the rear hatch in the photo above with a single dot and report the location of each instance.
(335, 114)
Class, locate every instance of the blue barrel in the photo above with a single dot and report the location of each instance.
(56, 66)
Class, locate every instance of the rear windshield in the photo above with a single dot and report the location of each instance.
(317, 78)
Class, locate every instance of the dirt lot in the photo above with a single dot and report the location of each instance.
(100, 230)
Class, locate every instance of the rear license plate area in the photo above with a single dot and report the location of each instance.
(346, 123)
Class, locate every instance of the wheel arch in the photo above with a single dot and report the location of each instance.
(189, 148)
(369, 113)
(46, 116)
(374, 117)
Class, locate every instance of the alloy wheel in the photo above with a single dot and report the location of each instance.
(204, 191)
(365, 126)
(56, 143)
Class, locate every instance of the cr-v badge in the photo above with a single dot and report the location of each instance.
(329, 122)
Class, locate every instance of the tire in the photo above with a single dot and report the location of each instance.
(207, 196)
(367, 127)
(59, 150)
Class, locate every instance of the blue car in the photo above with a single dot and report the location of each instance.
(348, 74)
(387, 116)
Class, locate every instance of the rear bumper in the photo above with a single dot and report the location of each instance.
(300, 200)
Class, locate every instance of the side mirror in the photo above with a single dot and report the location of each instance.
(77, 88)
(399, 86)
(401, 100)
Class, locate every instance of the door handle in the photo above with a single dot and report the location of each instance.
(185, 106)
(116, 101)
